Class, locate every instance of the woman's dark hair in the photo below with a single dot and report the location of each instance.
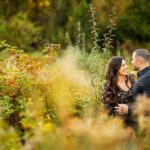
(111, 74)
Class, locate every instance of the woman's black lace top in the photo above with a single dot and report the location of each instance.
(111, 100)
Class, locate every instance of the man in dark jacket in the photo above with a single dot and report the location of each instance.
(140, 62)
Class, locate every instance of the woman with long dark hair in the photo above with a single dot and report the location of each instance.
(117, 90)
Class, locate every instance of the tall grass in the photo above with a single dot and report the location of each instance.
(54, 101)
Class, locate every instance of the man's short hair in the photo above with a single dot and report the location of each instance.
(145, 54)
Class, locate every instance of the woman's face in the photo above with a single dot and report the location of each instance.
(123, 69)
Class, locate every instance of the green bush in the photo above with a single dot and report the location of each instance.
(20, 31)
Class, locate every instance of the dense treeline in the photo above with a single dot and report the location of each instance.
(29, 24)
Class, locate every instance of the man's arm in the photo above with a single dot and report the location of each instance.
(137, 89)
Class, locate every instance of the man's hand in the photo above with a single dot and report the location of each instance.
(122, 109)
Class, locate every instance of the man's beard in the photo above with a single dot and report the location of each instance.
(135, 68)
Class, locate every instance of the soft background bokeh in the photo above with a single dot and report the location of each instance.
(30, 23)
(53, 59)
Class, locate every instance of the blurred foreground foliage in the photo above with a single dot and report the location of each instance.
(54, 101)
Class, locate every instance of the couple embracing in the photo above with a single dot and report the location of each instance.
(121, 89)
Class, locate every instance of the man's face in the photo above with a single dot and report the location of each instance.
(135, 62)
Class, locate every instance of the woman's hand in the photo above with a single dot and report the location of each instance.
(122, 109)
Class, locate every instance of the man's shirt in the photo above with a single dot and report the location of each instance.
(142, 84)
